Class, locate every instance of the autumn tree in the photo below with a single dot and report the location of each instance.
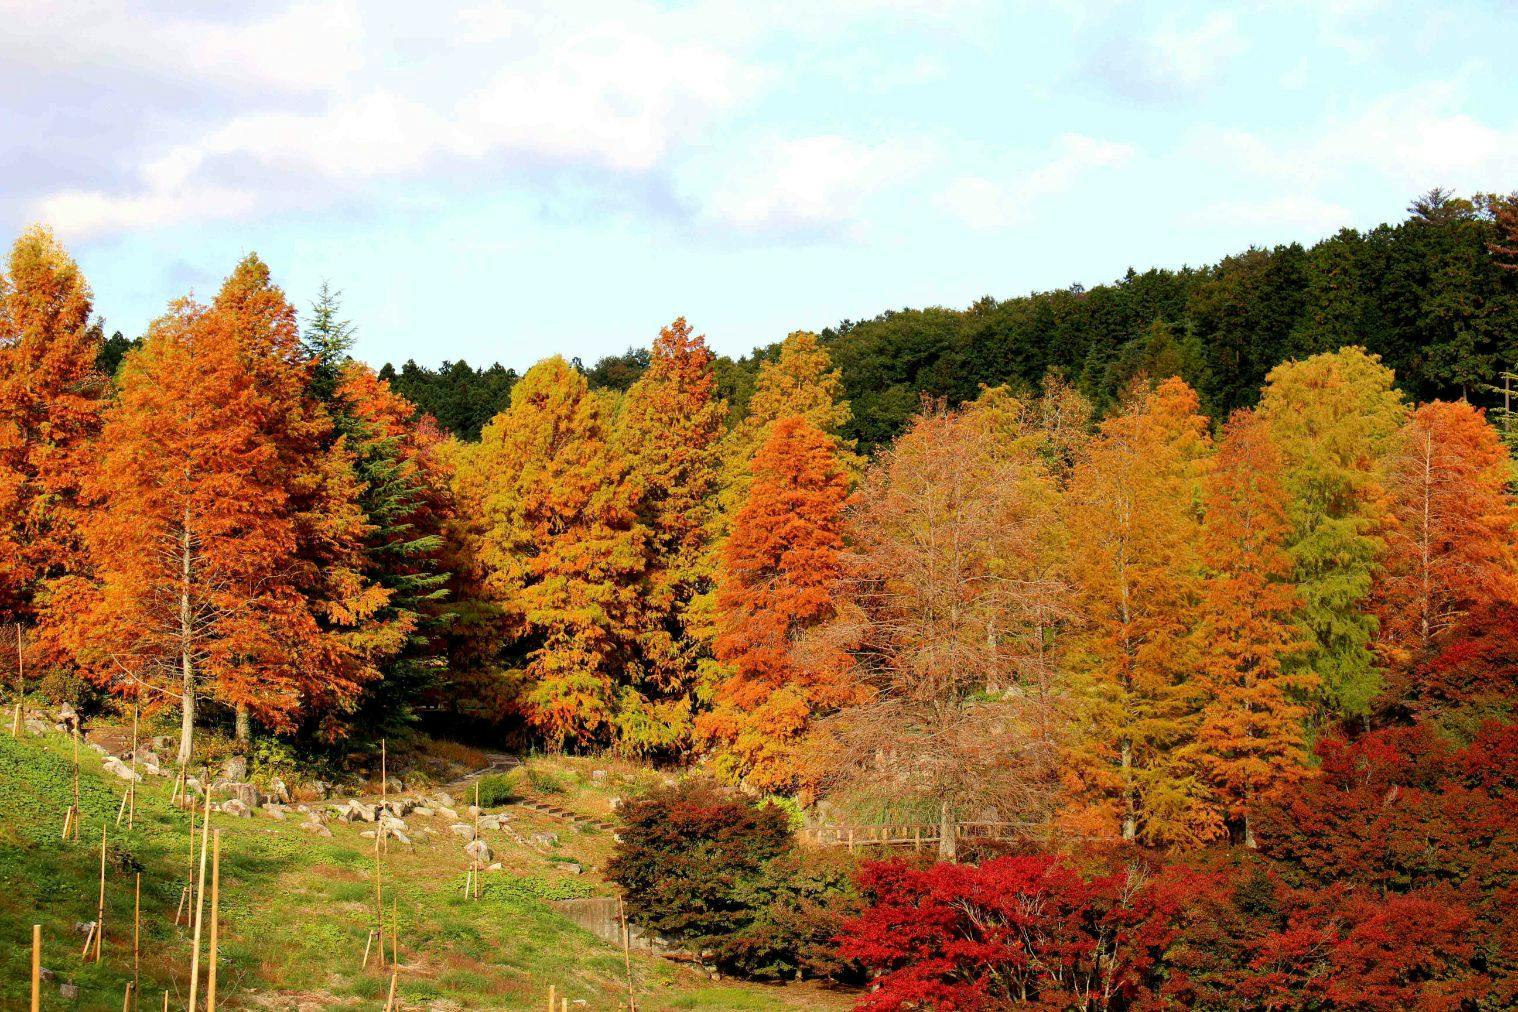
(954, 587)
(781, 578)
(1450, 545)
(1134, 522)
(51, 397)
(1250, 740)
(668, 430)
(1333, 418)
(562, 551)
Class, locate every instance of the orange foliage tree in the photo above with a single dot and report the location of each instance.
(781, 578)
(556, 534)
(51, 397)
(668, 431)
(1134, 522)
(1250, 742)
(954, 584)
(205, 526)
(1451, 545)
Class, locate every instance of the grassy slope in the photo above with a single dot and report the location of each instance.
(297, 908)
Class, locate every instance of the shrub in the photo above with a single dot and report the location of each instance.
(497, 789)
(723, 877)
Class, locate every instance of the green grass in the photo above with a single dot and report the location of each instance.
(297, 909)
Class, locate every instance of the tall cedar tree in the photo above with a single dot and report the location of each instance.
(1250, 741)
(51, 398)
(1333, 418)
(202, 513)
(668, 430)
(402, 490)
(781, 578)
(1451, 545)
(1134, 522)
(954, 583)
(561, 548)
(405, 495)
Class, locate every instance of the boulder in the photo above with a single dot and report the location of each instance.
(275, 812)
(598, 775)
(479, 850)
(392, 825)
(463, 830)
(278, 791)
(235, 769)
(234, 807)
(443, 798)
(423, 812)
(356, 811)
(400, 837)
(447, 813)
(247, 793)
(317, 828)
(545, 839)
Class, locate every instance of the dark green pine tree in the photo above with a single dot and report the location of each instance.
(405, 511)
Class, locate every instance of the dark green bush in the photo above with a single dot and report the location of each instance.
(720, 876)
(497, 789)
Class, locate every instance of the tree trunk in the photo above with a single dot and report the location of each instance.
(1130, 803)
(948, 834)
(186, 644)
(244, 724)
(1249, 840)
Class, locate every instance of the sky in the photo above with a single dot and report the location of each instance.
(500, 182)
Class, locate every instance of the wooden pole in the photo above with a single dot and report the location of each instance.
(379, 899)
(553, 998)
(20, 683)
(200, 897)
(390, 1001)
(76, 781)
(36, 968)
(632, 1004)
(166, 1001)
(379, 823)
(215, 919)
(132, 809)
(100, 909)
(472, 859)
(137, 941)
(368, 944)
(126, 999)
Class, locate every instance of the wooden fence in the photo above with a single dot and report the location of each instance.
(920, 835)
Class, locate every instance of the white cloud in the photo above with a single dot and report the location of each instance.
(1192, 57)
(988, 205)
(1415, 140)
(77, 212)
(810, 185)
(1293, 214)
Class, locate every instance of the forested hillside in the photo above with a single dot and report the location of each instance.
(1176, 617)
(1427, 295)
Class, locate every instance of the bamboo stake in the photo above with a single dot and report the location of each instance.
(215, 918)
(20, 683)
(184, 894)
(36, 968)
(553, 998)
(379, 823)
(166, 1001)
(632, 1005)
(390, 1001)
(379, 898)
(100, 910)
(132, 809)
(200, 898)
(68, 820)
(126, 999)
(474, 860)
(563, 1005)
(395, 933)
(89, 940)
(137, 941)
(368, 944)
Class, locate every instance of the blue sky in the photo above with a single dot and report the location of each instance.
(505, 181)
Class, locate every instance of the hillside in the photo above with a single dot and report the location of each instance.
(297, 905)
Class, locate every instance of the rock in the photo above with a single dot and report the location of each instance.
(479, 850)
(392, 825)
(151, 770)
(162, 742)
(234, 807)
(279, 791)
(463, 830)
(571, 867)
(397, 785)
(473, 811)
(495, 867)
(36, 726)
(68, 716)
(68, 992)
(400, 837)
(491, 822)
(235, 769)
(422, 811)
(448, 813)
(545, 839)
(97, 748)
(367, 834)
(247, 793)
(275, 812)
(444, 799)
(317, 828)
(598, 775)
(193, 785)
(114, 765)
(355, 811)
(616, 803)
(147, 756)
(400, 807)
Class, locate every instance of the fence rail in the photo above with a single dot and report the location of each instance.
(919, 835)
